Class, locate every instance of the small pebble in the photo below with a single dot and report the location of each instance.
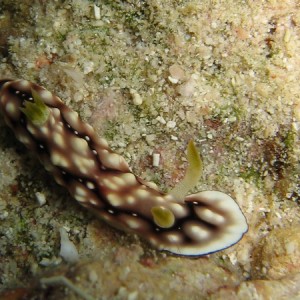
(171, 124)
(93, 276)
(136, 98)
(41, 198)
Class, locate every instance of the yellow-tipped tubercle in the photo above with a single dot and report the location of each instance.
(162, 216)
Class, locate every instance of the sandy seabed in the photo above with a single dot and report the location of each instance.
(149, 76)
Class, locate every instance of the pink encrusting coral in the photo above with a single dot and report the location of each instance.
(101, 180)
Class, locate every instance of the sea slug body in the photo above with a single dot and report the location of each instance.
(101, 180)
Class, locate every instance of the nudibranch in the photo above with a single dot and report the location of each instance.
(102, 181)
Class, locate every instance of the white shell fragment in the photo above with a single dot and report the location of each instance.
(173, 80)
(41, 198)
(97, 12)
(155, 159)
(68, 250)
(102, 181)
